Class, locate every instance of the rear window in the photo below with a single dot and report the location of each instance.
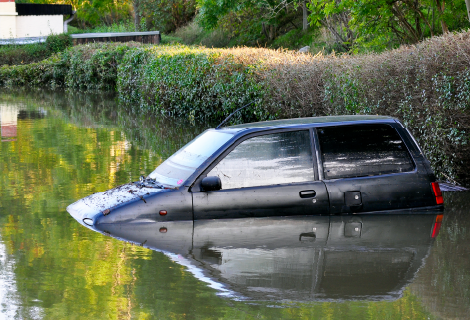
(362, 150)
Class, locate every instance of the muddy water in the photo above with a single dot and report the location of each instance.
(57, 148)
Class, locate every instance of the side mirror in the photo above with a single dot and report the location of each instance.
(211, 184)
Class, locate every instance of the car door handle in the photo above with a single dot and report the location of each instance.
(307, 194)
(311, 236)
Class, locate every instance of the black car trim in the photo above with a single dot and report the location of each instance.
(415, 170)
(244, 131)
(314, 154)
(417, 210)
(318, 155)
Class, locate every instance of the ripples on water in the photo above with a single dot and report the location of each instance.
(57, 148)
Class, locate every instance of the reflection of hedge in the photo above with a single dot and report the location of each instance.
(426, 86)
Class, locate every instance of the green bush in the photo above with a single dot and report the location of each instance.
(58, 43)
(86, 67)
(93, 66)
(189, 82)
(17, 54)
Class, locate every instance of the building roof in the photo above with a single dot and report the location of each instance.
(34, 9)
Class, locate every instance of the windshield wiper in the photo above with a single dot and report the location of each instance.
(149, 183)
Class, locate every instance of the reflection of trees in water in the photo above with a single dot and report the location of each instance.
(102, 109)
(31, 114)
(443, 284)
(59, 265)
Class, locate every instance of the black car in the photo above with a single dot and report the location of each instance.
(307, 166)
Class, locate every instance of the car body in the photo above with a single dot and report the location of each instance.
(307, 166)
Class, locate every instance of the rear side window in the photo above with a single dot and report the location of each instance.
(267, 160)
(362, 150)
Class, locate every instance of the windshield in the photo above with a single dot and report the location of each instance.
(180, 166)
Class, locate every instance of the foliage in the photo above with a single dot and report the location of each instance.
(204, 84)
(426, 86)
(121, 26)
(166, 16)
(90, 66)
(356, 26)
(58, 43)
(250, 22)
(194, 33)
(29, 53)
(296, 39)
(382, 24)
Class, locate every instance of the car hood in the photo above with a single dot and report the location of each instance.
(103, 202)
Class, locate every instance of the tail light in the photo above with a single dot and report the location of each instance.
(437, 225)
(437, 193)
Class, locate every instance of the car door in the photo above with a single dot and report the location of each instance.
(368, 167)
(264, 175)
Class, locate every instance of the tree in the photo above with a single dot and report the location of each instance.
(358, 22)
(334, 15)
(270, 16)
(166, 16)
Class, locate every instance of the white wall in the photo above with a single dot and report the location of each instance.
(7, 20)
(7, 26)
(36, 26)
(7, 7)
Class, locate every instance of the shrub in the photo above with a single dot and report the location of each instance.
(203, 84)
(86, 67)
(58, 43)
(17, 54)
(93, 66)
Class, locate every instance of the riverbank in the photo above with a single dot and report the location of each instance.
(426, 86)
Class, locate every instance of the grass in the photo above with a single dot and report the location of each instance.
(123, 26)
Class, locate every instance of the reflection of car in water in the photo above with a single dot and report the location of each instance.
(302, 258)
(308, 166)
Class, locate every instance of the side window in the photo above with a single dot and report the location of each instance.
(267, 160)
(365, 150)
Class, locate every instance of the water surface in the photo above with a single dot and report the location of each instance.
(59, 147)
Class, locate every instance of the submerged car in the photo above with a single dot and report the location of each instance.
(307, 166)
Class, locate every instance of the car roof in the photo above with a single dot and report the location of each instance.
(315, 121)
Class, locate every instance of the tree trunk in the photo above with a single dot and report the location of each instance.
(304, 16)
(467, 3)
(136, 14)
(264, 31)
(440, 7)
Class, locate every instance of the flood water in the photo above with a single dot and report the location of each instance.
(59, 147)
